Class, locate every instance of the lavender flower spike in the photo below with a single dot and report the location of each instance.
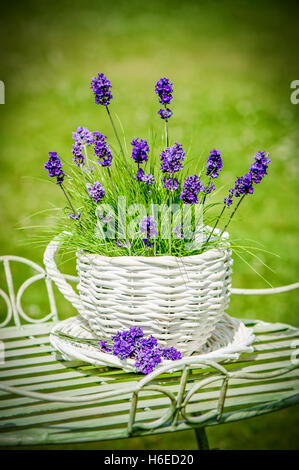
(78, 157)
(60, 177)
(126, 244)
(209, 188)
(245, 184)
(148, 226)
(229, 199)
(83, 136)
(172, 184)
(178, 232)
(102, 149)
(259, 167)
(164, 89)
(192, 186)
(54, 167)
(140, 150)
(165, 113)
(214, 164)
(75, 216)
(101, 87)
(172, 159)
(104, 347)
(148, 179)
(96, 192)
(139, 175)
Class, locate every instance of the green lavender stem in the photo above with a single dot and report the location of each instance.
(166, 130)
(82, 171)
(170, 213)
(112, 185)
(205, 194)
(74, 339)
(219, 217)
(118, 139)
(86, 154)
(68, 199)
(170, 204)
(232, 214)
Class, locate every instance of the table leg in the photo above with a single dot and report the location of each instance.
(201, 438)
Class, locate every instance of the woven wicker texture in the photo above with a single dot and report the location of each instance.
(178, 300)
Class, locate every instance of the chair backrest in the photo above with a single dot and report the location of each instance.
(13, 297)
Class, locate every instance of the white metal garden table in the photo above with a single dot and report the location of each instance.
(46, 400)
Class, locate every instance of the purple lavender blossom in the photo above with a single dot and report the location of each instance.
(83, 136)
(53, 165)
(101, 87)
(102, 149)
(104, 155)
(126, 244)
(140, 150)
(259, 167)
(134, 345)
(104, 347)
(75, 216)
(208, 189)
(245, 184)
(60, 177)
(140, 175)
(165, 113)
(149, 342)
(77, 152)
(99, 138)
(192, 186)
(229, 199)
(171, 354)
(178, 232)
(124, 343)
(148, 226)
(164, 89)
(96, 192)
(147, 360)
(214, 164)
(148, 243)
(172, 184)
(148, 179)
(172, 159)
(106, 218)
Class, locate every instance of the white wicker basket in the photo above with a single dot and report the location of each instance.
(178, 300)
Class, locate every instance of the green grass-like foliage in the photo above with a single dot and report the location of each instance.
(82, 233)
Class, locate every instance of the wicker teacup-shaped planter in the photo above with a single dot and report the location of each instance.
(178, 300)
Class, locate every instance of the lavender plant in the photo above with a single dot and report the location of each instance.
(102, 179)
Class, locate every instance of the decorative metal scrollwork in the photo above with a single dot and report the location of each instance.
(13, 299)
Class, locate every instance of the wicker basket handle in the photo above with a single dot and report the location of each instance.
(269, 291)
(59, 279)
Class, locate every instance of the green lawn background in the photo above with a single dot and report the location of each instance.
(231, 62)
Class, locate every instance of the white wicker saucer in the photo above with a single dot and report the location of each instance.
(230, 338)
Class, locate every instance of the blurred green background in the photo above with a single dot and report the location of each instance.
(231, 62)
